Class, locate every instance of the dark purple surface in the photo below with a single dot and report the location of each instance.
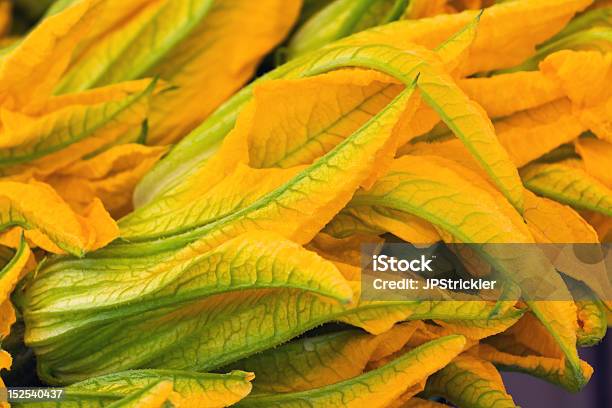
(530, 392)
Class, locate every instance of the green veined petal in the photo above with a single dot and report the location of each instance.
(376, 388)
(568, 183)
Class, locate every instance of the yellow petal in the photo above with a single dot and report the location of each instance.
(238, 34)
(550, 221)
(192, 389)
(598, 119)
(560, 75)
(56, 139)
(470, 124)
(37, 206)
(29, 73)
(540, 353)
(465, 171)
(114, 160)
(212, 46)
(559, 319)
(58, 115)
(323, 111)
(587, 89)
(476, 140)
(528, 336)
(110, 176)
(413, 166)
(505, 94)
(98, 226)
(529, 134)
(500, 42)
(403, 400)
(156, 395)
(420, 334)
(470, 381)
(311, 127)
(103, 228)
(184, 158)
(117, 25)
(359, 167)
(538, 21)
(393, 340)
(584, 87)
(592, 322)
(405, 226)
(346, 249)
(110, 93)
(568, 183)
(7, 318)
(376, 388)
(37, 239)
(478, 329)
(190, 207)
(319, 361)
(367, 161)
(455, 51)
(547, 368)
(208, 46)
(596, 156)
(345, 225)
